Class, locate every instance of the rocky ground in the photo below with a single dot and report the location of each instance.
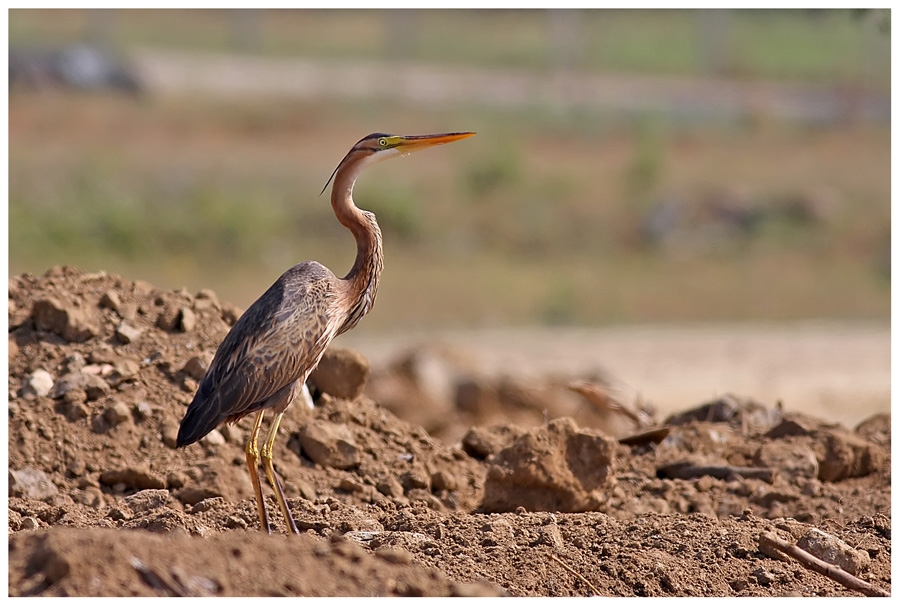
(410, 479)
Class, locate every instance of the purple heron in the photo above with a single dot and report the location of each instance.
(266, 357)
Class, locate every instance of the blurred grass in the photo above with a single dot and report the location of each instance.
(517, 225)
(538, 219)
(805, 45)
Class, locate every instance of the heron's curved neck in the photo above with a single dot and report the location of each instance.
(366, 270)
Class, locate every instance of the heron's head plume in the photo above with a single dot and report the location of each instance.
(380, 146)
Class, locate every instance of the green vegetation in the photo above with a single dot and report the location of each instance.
(790, 44)
(543, 217)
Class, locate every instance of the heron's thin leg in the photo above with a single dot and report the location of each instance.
(274, 480)
(253, 464)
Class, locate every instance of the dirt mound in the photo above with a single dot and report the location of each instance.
(101, 370)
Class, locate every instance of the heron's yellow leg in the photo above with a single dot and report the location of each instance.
(274, 480)
(253, 465)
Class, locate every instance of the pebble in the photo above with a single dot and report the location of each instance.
(117, 414)
(31, 483)
(127, 333)
(147, 500)
(39, 383)
(213, 438)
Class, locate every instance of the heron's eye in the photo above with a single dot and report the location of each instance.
(382, 142)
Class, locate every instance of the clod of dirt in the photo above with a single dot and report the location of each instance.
(554, 468)
(482, 442)
(341, 373)
(844, 455)
(876, 428)
(72, 322)
(329, 445)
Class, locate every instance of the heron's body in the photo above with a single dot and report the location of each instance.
(265, 359)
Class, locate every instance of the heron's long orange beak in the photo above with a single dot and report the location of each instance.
(413, 143)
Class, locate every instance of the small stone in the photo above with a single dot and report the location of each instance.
(71, 322)
(127, 333)
(110, 300)
(350, 485)
(170, 436)
(168, 318)
(142, 410)
(329, 444)
(147, 500)
(29, 523)
(341, 373)
(834, 551)
(232, 434)
(117, 414)
(31, 483)
(213, 438)
(208, 504)
(13, 349)
(443, 480)
(132, 477)
(127, 311)
(39, 383)
(195, 368)
(390, 487)
(187, 319)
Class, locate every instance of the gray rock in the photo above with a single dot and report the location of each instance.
(329, 445)
(31, 483)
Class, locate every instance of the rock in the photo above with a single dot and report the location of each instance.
(118, 413)
(443, 480)
(876, 428)
(93, 386)
(792, 459)
(195, 368)
(31, 483)
(39, 383)
(329, 444)
(557, 467)
(213, 438)
(71, 322)
(834, 551)
(132, 477)
(482, 442)
(842, 455)
(187, 319)
(168, 318)
(147, 500)
(127, 333)
(390, 487)
(205, 299)
(110, 300)
(794, 425)
(341, 373)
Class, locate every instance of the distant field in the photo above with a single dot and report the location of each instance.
(547, 216)
(807, 45)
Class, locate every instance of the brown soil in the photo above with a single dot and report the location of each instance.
(101, 503)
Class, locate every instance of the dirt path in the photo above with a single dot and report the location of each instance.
(837, 371)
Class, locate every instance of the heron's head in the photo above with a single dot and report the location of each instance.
(379, 146)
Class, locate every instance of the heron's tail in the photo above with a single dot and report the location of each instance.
(200, 419)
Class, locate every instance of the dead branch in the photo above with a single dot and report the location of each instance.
(811, 562)
(575, 572)
(689, 471)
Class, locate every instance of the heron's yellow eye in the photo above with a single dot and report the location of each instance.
(382, 142)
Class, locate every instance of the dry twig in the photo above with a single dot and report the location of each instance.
(811, 562)
(576, 573)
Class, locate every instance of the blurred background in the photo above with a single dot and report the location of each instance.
(632, 167)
